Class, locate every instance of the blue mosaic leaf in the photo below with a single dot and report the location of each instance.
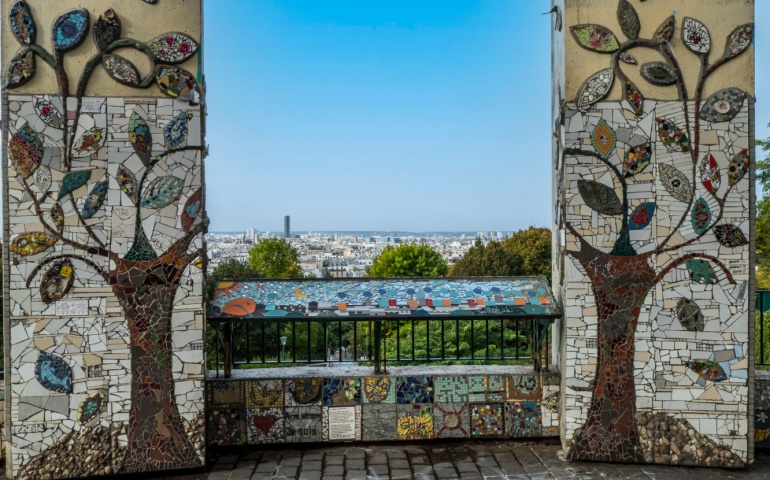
(69, 29)
(701, 216)
(53, 373)
(95, 199)
(701, 271)
(162, 192)
(177, 130)
(642, 216)
(22, 23)
(73, 181)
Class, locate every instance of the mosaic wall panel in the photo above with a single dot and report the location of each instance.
(104, 225)
(653, 225)
(250, 411)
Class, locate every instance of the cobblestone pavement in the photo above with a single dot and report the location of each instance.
(467, 460)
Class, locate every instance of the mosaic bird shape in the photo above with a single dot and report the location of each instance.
(707, 370)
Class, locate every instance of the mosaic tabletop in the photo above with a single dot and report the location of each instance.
(490, 297)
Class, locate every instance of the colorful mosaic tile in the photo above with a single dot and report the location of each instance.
(450, 389)
(522, 387)
(414, 390)
(341, 391)
(227, 427)
(303, 424)
(264, 393)
(305, 391)
(487, 420)
(415, 422)
(522, 419)
(762, 428)
(451, 420)
(379, 390)
(379, 422)
(226, 393)
(266, 425)
(486, 388)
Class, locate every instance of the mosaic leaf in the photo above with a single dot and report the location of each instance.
(730, 236)
(57, 281)
(696, 36)
(162, 192)
(701, 216)
(73, 181)
(106, 29)
(600, 197)
(26, 150)
(595, 88)
(723, 105)
(127, 183)
(642, 216)
(49, 114)
(90, 142)
(604, 139)
(628, 58)
(22, 23)
(57, 215)
(635, 98)
(20, 69)
(710, 174)
(53, 373)
(140, 137)
(69, 29)
(173, 47)
(177, 83)
(658, 73)
(628, 20)
(90, 407)
(665, 31)
(739, 40)
(95, 199)
(43, 178)
(177, 130)
(637, 159)
(32, 243)
(739, 167)
(121, 70)
(595, 38)
(191, 210)
(672, 137)
(707, 370)
(701, 271)
(690, 315)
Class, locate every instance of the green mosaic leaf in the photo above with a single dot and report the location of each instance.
(595, 38)
(628, 20)
(689, 315)
(73, 181)
(140, 137)
(162, 192)
(600, 197)
(141, 250)
(701, 271)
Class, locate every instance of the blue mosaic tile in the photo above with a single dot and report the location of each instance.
(414, 390)
(339, 392)
(523, 420)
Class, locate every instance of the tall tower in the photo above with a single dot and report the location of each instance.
(287, 226)
(653, 108)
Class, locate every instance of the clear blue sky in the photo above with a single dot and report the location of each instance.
(428, 115)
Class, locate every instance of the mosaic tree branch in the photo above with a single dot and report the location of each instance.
(86, 226)
(43, 53)
(48, 260)
(681, 260)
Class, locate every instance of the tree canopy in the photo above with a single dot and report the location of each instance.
(491, 260)
(275, 258)
(763, 218)
(533, 245)
(408, 260)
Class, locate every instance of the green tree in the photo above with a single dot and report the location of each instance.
(491, 260)
(408, 260)
(762, 225)
(275, 258)
(533, 245)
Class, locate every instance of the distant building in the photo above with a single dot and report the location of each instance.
(286, 227)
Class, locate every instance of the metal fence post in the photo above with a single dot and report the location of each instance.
(377, 346)
(228, 344)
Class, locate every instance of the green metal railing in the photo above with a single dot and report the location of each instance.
(762, 330)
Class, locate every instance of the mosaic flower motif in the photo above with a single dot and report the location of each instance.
(637, 159)
(739, 40)
(32, 243)
(106, 29)
(95, 199)
(49, 114)
(641, 216)
(658, 73)
(723, 105)
(595, 88)
(628, 58)
(162, 192)
(191, 210)
(22, 23)
(53, 373)
(177, 130)
(173, 47)
(707, 369)
(604, 139)
(701, 271)
(69, 29)
(127, 183)
(26, 150)
(696, 36)
(739, 167)
(701, 216)
(665, 31)
(90, 407)
(689, 315)
(730, 236)
(177, 83)
(376, 389)
(635, 98)
(121, 70)
(20, 69)
(140, 137)
(628, 20)
(57, 215)
(595, 38)
(672, 137)
(710, 174)
(57, 281)
(600, 197)
(90, 142)
(74, 180)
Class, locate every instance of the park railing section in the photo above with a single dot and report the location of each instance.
(286, 342)
(762, 330)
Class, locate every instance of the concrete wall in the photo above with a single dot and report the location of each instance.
(103, 221)
(655, 200)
